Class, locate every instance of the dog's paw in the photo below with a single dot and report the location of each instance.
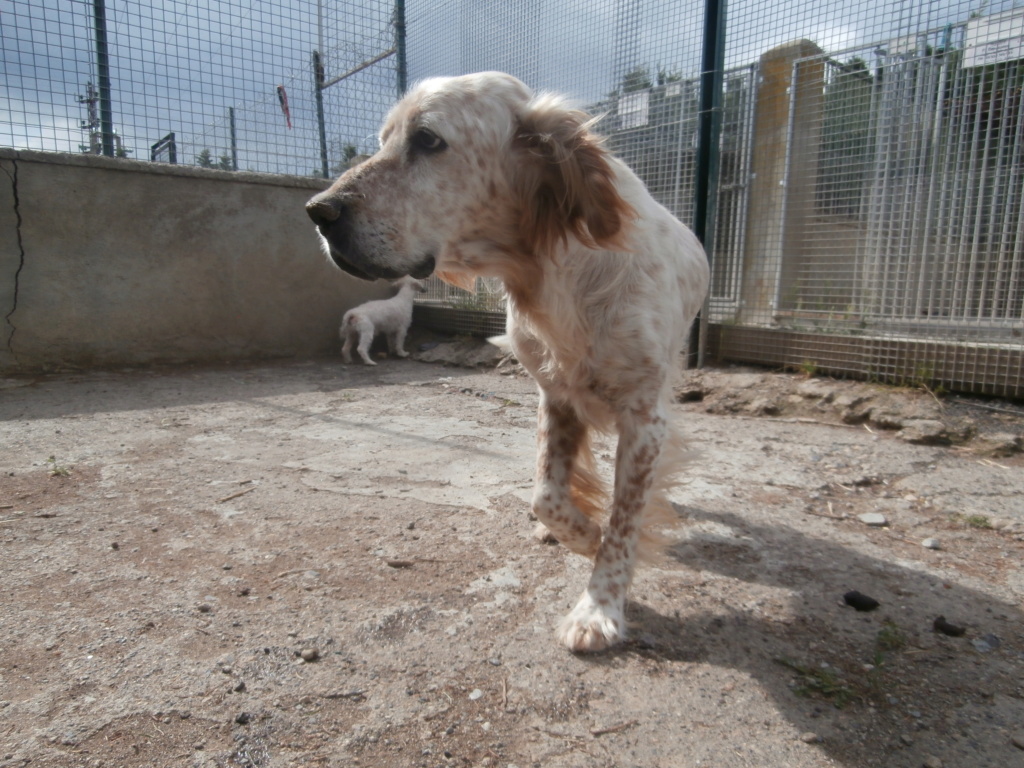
(592, 627)
(586, 545)
(401, 353)
(369, 362)
(544, 535)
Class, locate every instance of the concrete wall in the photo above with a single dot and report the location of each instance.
(107, 262)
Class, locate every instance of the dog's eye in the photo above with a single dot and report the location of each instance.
(427, 141)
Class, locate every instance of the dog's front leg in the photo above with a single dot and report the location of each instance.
(560, 438)
(599, 618)
(398, 342)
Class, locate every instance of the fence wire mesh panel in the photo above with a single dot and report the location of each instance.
(634, 63)
(883, 229)
(870, 163)
(227, 85)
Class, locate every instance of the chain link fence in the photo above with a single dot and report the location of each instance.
(869, 166)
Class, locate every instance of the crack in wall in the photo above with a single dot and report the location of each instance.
(21, 256)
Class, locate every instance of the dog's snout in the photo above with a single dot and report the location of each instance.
(324, 209)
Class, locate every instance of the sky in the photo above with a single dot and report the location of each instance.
(180, 65)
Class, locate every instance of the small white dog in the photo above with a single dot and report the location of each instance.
(389, 316)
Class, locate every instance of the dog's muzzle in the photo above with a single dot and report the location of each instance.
(333, 219)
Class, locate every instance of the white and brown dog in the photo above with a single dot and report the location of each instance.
(392, 317)
(478, 177)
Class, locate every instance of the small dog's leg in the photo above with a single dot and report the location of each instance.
(364, 329)
(398, 343)
(348, 336)
(365, 340)
(560, 437)
(599, 618)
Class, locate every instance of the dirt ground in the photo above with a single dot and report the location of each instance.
(311, 564)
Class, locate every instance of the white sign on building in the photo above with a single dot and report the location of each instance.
(633, 109)
(995, 38)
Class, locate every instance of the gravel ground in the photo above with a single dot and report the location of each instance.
(308, 564)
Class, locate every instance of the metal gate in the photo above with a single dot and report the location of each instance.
(920, 168)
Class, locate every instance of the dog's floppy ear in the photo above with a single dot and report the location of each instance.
(461, 280)
(566, 184)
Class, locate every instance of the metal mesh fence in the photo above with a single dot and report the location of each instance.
(227, 85)
(869, 179)
(868, 191)
(883, 232)
(632, 62)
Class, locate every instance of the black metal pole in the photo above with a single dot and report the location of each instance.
(400, 61)
(103, 64)
(234, 140)
(318, 86)
(708, 154)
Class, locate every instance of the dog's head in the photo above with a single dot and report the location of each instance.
(473, 173)
(409, 284)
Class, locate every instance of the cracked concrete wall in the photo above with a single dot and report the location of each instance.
(132, 263)
(10, 256)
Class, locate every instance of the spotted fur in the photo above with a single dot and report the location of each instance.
(477, 176)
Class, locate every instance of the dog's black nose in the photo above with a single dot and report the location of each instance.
(324, 209)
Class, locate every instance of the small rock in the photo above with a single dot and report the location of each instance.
(858, 412)
(494, 662)
(476, 694)
(763, 406)
(817, 389)
(810, 737)
(885, 419)
(997, 444)
(204, 608)
(1017, 739)
(941, 625)
(243, 718)
(690, 393)
(986, 643)
(924, 432)
(467, 354)
(931, 762)
(874, 519)
(931, 543)
(240, 688)
(860, 602)
(309, 654)
(907, 739)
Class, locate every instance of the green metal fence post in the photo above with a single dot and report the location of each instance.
(708, 151)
